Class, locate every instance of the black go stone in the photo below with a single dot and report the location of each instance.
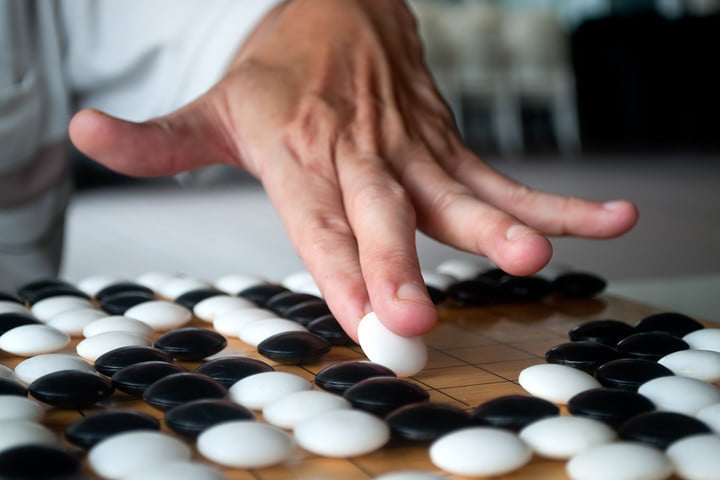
(10, 320)
(475, 292)
(9, 297)
(294, 348)
(629, 373)
(119, 303)
(180, 388)
(115, 360)
(525, 289)
(192, 418)
(123, 287)
(39, 462)
(97, 426)
(228, 370)
(330, 329)
(9, 386)
(673, 323)
(437, 295)
(136, 378)
(651, 345)
(282, 302)
(71, 389)
(382, 395)
(513, 412)
(427, 421)
(38, 290)
(659, 429)
(605, 331)
(586, 356)
(496, 274)
(337, 378)
(305, 312)
(193, 297)
(609, 405)
(578, 284)
(260, 294)
(191, 343)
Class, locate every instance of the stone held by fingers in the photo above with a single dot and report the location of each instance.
(405, 356)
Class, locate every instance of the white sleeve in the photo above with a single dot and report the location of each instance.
(141, 58)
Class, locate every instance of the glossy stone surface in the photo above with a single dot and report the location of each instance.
(680, 394)
(586, 356)
(244, 444)
(35, 367)
(555, 383)
(342, 433)
(19, 408)
(9, 386)
(9, 297)
(56, 291)
(193, 297)
(228, 370)
(119, 358)
(74, 322)
(71, 389)
(261, 389)
(294, 348)
(330, 329)
(620, 461)
(629, 373)
(234, 283)
(337, 378)
(136, 378)
(609, 405)
(578, 284)
(120, 303)
(426, 421)
(382, 395)
(94, 347)
(651, 345)
(406, 356)
(478, 291)
(192, 418)
(513, 412)
(123, 287)
(180, 388)
(605, 331)
(10, 320)
(563, 437)
(660, 429)
(282, 302)
(260, 294)
(42, 288)
(524, 289)
(306, 312)
(701, 364)
(676, 324)
(33, 339)
(191, 343)
(696, 457)
(39, 462)
(161, 315)
(292, 409)
(97, 426)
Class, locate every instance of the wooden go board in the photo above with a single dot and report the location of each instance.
(475, 354)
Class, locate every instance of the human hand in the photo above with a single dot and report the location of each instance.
(329, 104)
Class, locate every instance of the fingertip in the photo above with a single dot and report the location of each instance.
(623, 214)
(523, 252)
(409, 312)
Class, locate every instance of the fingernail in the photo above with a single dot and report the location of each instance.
(517, 231)
(411, 292)
(614, 205)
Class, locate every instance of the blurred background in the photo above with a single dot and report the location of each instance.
(602, 99)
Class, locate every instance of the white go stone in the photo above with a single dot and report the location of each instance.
(463, 269)
(93, 284)
(701, 364)
(15, 407)
(155, 280)
(25, 432)
(230, 323)
(296, 407)
(132, 452)
(696, 457)
(49, 307)
(210, 308)
(479, 451)
(13, 307)
(710, 416)
(234, 283)
(117, 323)
(260, 389)
(620, 461)
(563, 437)
(180, 470)
(74, 321)
(411, 475)
(175, 287)
(301, 282)
(245, 444)
(29, 340)
(556, 383)
(438, 280)
(342, 433)
(35, 367)
(92, 347)
(405, 356)
(161, 315)
(704, 339)
(253, 333)
(6, 372)
(680, 394)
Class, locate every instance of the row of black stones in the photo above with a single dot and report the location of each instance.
(622, 357)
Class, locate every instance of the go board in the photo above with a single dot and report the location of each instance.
(475, 354)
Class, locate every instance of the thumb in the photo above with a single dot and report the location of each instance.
(188, 138)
